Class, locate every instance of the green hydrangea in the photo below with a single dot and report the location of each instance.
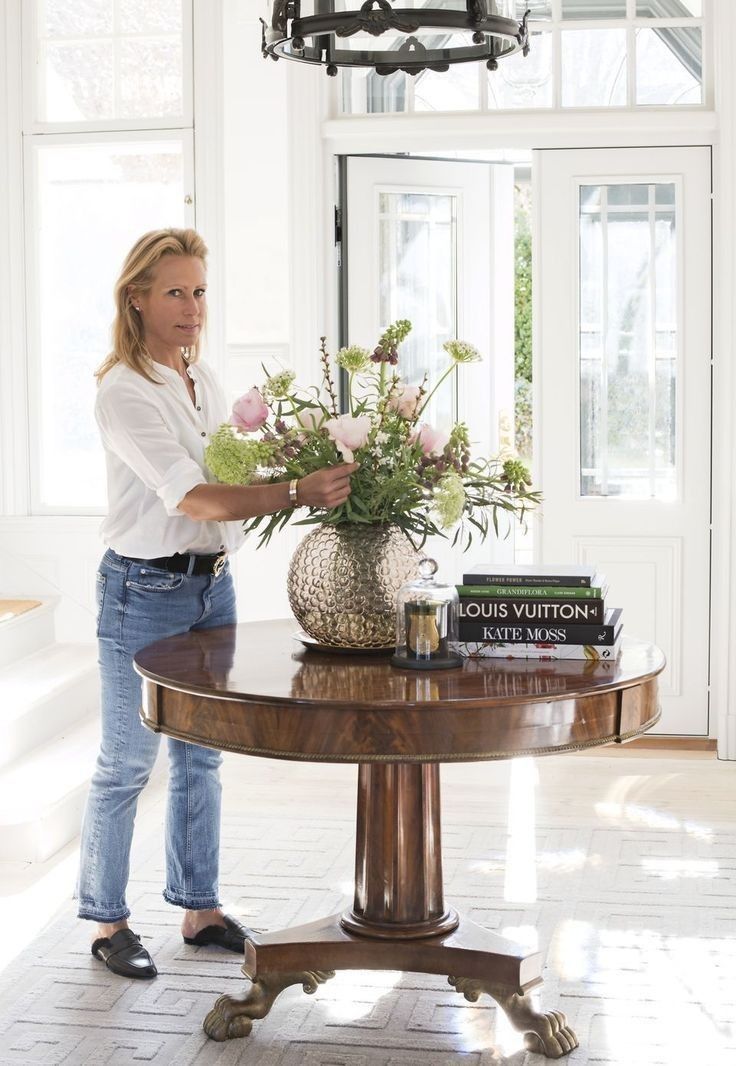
(234, 460)
(277, 386)
(449, 500)
(461, 352)
(354, 359)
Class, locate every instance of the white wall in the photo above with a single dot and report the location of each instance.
(256, 183)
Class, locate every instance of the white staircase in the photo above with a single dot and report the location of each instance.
(49, 732)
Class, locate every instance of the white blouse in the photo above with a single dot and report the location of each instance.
(154, 439)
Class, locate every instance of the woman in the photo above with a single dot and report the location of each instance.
(168, 534)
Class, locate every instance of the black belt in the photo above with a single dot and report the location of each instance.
(188, 564)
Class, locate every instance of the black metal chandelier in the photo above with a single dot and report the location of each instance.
(388, 38)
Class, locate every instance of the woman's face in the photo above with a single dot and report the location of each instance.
(173, 309)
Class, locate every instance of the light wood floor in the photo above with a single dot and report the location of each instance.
(619, 864)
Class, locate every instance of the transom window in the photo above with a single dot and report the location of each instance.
(584, 54)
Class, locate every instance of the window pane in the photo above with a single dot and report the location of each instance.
(59, 18)
(669, 65)
(366, 93)
(100, 60)
(150, 77)
(94, 201)
(593, 68)
(455, 89)
(417, 267)
(670, 9)
(524, 81)
(538, 9)
(628, 341)
(593, 9)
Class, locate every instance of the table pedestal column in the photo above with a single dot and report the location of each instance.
(398, 922)
(398, 854)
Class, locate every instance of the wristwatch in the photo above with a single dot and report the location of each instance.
(292, 492)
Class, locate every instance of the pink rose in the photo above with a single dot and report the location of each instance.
(249, 412)
(348, 433)
(405, 400)
(432, 440)
(311, 418)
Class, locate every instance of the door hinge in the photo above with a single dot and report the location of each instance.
(338, 225)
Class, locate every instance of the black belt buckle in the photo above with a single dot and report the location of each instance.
(219, 564)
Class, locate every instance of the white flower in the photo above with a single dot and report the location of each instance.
(462, 352)
(449, 500)
(277, 385)
(354, 359)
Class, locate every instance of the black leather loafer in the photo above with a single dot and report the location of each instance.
(231, 936)
(123, 954)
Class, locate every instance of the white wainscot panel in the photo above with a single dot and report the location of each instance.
(644, 578)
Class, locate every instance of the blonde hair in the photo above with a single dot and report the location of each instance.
(128, 345)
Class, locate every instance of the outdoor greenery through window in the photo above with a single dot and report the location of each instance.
(584, 54)
(523, 321)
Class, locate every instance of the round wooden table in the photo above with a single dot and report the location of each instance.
(255, 689)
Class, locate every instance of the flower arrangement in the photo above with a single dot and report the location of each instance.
(411, 473)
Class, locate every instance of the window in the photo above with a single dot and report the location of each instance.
(584, 54)
(628, 338)
(108, 156)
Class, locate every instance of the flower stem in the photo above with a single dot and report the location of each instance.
(434, 390)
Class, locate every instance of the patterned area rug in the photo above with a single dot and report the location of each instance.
(621, 868)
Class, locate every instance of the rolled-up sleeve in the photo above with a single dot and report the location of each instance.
(134, 429)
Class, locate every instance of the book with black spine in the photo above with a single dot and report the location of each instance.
(541, 633)
(580, 576)
(493, 609)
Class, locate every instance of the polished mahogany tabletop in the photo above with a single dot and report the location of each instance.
(255, 688)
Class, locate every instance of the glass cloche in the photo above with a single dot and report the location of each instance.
(426, 623)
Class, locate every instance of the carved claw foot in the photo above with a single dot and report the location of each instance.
(233, 1016)
(546, 1033)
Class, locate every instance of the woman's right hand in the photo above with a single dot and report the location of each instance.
(328, 487)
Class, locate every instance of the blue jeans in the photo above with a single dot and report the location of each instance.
(136, 606)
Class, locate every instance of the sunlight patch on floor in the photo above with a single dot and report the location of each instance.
(520, 881)
(357, 993)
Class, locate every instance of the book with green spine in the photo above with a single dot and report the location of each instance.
(535, 592)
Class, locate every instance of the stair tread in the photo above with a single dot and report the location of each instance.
(41, 605)
(49, 773)
(41, 674)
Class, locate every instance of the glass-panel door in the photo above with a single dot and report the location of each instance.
(623, 370)
(432, 241)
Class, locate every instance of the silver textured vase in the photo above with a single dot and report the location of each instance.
(343, 582)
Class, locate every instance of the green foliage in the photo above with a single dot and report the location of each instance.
(409, 474)
(523, 322)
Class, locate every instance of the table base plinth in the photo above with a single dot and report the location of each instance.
(474, 960)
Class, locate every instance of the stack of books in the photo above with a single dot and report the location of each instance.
(537, 612)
